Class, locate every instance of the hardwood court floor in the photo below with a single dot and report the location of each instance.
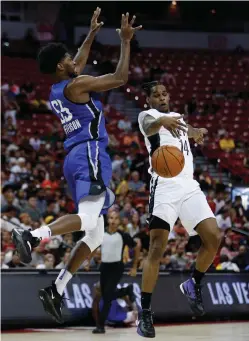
(204, 332)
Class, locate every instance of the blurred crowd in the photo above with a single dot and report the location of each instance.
(34, 192)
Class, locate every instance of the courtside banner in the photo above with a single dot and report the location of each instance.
(226, 295)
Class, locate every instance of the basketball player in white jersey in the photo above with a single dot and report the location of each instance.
(171, 198)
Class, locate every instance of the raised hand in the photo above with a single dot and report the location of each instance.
(199, 137)
(95, 25)
(126, 31)
(174, 125)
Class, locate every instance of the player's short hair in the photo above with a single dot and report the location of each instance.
(49, 56)
(147, 87)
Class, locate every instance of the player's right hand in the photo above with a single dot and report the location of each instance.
(174, 125)
(126, 31)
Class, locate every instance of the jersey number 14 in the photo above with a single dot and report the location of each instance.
(184, 147)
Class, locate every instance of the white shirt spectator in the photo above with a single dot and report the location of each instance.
(131, 230)
(11, 113)
(219, 204)
(229, 266)
(35, 143)
(7, 225)
(223, 223)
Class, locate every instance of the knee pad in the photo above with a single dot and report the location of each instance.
(94, 237)
(88, 222)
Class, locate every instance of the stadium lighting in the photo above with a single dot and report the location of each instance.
(174, 3)
(128, 90)
(95, 62)
(136, 98)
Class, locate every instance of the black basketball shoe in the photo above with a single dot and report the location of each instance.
(99, 330)
(52, 302)
(24, 242)
(145, 326)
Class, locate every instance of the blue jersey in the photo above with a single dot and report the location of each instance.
(81, 122)
(87, 167)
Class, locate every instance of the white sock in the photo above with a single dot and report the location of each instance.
(43, 232)
(62, 280)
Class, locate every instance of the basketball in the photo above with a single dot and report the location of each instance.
(168, 161)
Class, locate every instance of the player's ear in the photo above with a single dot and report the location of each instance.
(60, 66)
(148, 100)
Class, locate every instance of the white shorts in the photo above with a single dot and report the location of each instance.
(181, 198)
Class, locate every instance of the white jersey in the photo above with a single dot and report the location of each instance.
(164, 137)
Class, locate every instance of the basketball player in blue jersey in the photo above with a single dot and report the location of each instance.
(87, 166)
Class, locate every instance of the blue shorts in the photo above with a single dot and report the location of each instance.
(88, 171)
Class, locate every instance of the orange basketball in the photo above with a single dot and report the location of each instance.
(168, 161)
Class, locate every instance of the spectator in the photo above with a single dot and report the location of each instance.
(41, 202)
(135, 184)
(32, 209)
(179, 258)
(226, 143)
(131, 138)
(125, 124)
(223, 220)
(11, 111)
(10, 127)
(26, 222)
(168, 263)
(222, 130)
(239, 208)
(15, 262)
(228, 249)
(64, 261)
(9, 214)
(126, 211)
(3, 265)
(242, 259)
(28, 89)
(49, 262)
(19, 171)
(226, 264)
(219, 201)
(8, 197)
(6, 241)
(35, 141)
(133, 227)
(50, 211)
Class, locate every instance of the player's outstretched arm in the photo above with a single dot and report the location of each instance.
(151, 126)
(197, 134)
(83, 52)
(86, 84)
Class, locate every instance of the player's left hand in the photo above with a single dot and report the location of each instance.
(199, 136)
(133, 272)
(95, 25)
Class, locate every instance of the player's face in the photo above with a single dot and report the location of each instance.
(69, 65)
(159, 98)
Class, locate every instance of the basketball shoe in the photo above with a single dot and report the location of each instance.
(52, 302)
(24, 242)
(145, 326)
(194, 295)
